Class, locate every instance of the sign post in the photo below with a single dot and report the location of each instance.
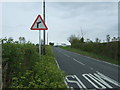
(44, 31)
(39, 42)
(39, 25)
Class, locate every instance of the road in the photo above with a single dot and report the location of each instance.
(85, 72)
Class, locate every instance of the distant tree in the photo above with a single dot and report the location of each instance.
(114, 39)
(29, 42)
(10, 40)
(71, 38)
(82, 39)
(4, 40)
(22, 40)
(89, 41)
(74, 39)
(108, 38)
(118, 38)
(97, 40)
(16, 42)
(50, 43)
(37, 44)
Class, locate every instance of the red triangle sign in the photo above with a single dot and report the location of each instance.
(39, 24)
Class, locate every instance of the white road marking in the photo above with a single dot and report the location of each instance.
(85, 76)
(100, 79)
(75, 59)
(109, 79)
(78, 61)
(71, 88)
(66, 55)
(1, 86)
(66, 84)
(71, 81)
(91, 68)
(80, 82)
(57, 63)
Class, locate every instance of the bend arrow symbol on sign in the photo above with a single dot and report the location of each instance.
(38, 24)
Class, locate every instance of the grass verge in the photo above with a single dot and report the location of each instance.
(93, 55)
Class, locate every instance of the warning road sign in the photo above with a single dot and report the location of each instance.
(39, 24)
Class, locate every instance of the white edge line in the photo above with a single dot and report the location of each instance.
(64, 79)
(57, 63)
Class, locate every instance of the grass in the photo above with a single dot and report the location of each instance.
(93, 55)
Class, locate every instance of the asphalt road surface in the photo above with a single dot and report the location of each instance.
(85, 72)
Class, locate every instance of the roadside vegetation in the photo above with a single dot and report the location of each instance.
(24, 68)
(107, 51)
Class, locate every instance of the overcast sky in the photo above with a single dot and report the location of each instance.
(96, 19)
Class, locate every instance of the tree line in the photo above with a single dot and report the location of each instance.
(75, 38)
(108, 48)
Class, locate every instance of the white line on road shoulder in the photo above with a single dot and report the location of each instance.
(57, 63)
(78, 61)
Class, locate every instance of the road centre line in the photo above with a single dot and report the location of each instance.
(78, 61)
(75, 59)
(66, 55)
(91, 68)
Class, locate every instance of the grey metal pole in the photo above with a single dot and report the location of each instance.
(47, 38)
(40, 42)
(44, 52)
